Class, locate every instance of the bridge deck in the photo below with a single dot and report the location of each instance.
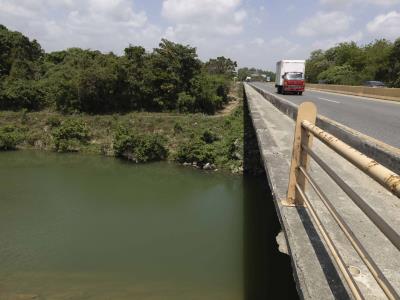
(315, 272)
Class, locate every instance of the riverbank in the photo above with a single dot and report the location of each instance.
(196, 140)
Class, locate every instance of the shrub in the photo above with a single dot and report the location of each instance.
(24, 116)
(139, 148)
(234, 148)
(196, 151)
(19, 93)
(209, 137)
(10, 137)
(186, 103)
(53, 121)
(178, 128)
(70, 135)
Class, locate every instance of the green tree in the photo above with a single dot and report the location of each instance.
(77, 80)
(316, 64)
(17, 51)
(221, 66)
(394, 63)
(137, 90)
(340, 75)
(172, 66)
(377, 56)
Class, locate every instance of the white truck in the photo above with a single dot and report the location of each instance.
(290, 76)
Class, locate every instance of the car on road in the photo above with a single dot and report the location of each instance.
(374, 84)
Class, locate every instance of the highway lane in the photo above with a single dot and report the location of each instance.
(379, 119)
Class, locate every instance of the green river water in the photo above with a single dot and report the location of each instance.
(88, 227)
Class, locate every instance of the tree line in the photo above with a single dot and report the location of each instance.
(170, 78)
(255, 74)
(350, 64)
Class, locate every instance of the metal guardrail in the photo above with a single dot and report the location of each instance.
(302, 151)
(386, 155)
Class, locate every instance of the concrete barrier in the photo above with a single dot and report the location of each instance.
(384, 154)
(392, 94)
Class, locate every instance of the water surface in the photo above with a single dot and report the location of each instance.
(88, 227)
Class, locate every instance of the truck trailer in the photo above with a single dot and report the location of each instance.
(290, 76)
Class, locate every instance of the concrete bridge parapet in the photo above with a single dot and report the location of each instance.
(315, 272)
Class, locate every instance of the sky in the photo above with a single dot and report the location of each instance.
(255, 33)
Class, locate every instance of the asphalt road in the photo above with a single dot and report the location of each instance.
(379, 119)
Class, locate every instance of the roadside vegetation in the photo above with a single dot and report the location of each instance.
(350, 64)
(255, 74)
(164, 105)
(170, 78)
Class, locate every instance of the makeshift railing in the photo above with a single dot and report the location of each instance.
(296, 196)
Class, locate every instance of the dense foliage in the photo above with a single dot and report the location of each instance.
(255, 74)
(348, 63)
(170, 78)
(139, 148)
(10, 137)
(137, 136)
(70, 135)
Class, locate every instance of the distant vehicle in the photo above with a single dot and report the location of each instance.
(374, 84)
(248, 78)
(268, 78)
(290, 76)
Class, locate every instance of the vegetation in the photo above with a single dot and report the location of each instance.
(138, 136)
(255, 74)
(10, 137)
(170, 78)
(70, 135)
(139, 147)
(348, 63)
(139, 106)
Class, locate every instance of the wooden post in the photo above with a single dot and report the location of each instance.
(306, 111)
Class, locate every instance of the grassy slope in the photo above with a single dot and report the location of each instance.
(176, 128)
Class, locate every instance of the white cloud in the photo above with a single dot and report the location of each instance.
(258, 41)
(213, 26)
(330, 42)
(183, 10)
(108, 25)
(358, 2)
(325, 24)
(194, 20)
(385, 25)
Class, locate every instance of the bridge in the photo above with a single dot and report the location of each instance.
(337, 194)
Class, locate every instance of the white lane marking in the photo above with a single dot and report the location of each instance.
(328, 100)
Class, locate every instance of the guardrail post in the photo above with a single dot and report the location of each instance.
(306, 111)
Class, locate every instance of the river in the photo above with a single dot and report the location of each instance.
(89, 227)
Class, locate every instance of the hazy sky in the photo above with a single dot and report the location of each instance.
(253, 32)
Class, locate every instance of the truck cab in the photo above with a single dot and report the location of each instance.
(293, 82)
(290, 76)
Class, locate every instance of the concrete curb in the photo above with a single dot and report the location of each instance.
(385, 154)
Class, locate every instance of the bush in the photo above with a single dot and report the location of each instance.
(178, 128)
(19, 93)
(53, 121)
(139, 148)
(186, 103)
(10, 137)
(196, 152)
(205, 90)
(340, 75)
(70, 135)
(209, 137)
